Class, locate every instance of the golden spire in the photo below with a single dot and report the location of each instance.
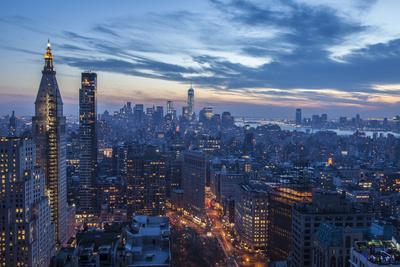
(48, 57)
(48, 54)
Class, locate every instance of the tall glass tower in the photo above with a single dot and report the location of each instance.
(87, 142)
(190, 101)
(48, 127)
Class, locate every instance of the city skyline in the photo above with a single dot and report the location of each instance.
(151, 54)
(228, 133)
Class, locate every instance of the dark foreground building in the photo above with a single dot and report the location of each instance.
(87, 142)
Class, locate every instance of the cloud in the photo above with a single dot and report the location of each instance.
(274, 50)
(106, 30)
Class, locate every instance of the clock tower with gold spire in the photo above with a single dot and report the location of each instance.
(48, 128)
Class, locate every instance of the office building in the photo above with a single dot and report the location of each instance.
(326, 206)
(298, 116)
(48, 127)
(12, 126)
(190, 101)
(26, 228)
(281, 200)
(170, 109)
(332, 244)
(251, 216)
(225, 184)
(145, 181)
(194, 182)
(87, 142)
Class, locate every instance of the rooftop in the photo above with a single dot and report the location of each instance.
(382, 252)
(147, 241)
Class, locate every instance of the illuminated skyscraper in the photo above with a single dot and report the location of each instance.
(190, 101)
(145, 181)
(26, 230)
(48, 127)
(87, 142)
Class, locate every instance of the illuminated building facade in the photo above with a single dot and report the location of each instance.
(87, 142)
(48, 127)
(26, 230)
(251, 216)
(281, 201)
(389, 183)
(145, 182)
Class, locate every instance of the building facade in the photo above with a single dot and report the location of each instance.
(194, 182)
(87, 143)
(281, 201)
(298, 116)
(326, 206)
(48, 127)
(145, 182)
(190, 101)
(251, 216)
(26, 228)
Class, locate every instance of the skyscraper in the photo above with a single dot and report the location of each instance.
(194, 182)
(190, 101)
(87, 142)
(298, 116)
(251, 215)
(26, 230)
(281, 200)
(170, 107)
(12, 126)
(48, 127)
(145, 181)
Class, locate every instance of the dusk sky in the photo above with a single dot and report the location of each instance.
(253, 58)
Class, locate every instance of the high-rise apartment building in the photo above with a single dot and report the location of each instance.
(26, 229)
(48, 127)
(87, 142)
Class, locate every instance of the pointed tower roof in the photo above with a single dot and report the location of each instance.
(191, 90)
(48, 58)
(48, 88)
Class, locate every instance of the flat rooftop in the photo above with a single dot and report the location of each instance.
(381, 252)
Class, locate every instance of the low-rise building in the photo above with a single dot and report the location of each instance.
(374, 253)
(147, 242)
